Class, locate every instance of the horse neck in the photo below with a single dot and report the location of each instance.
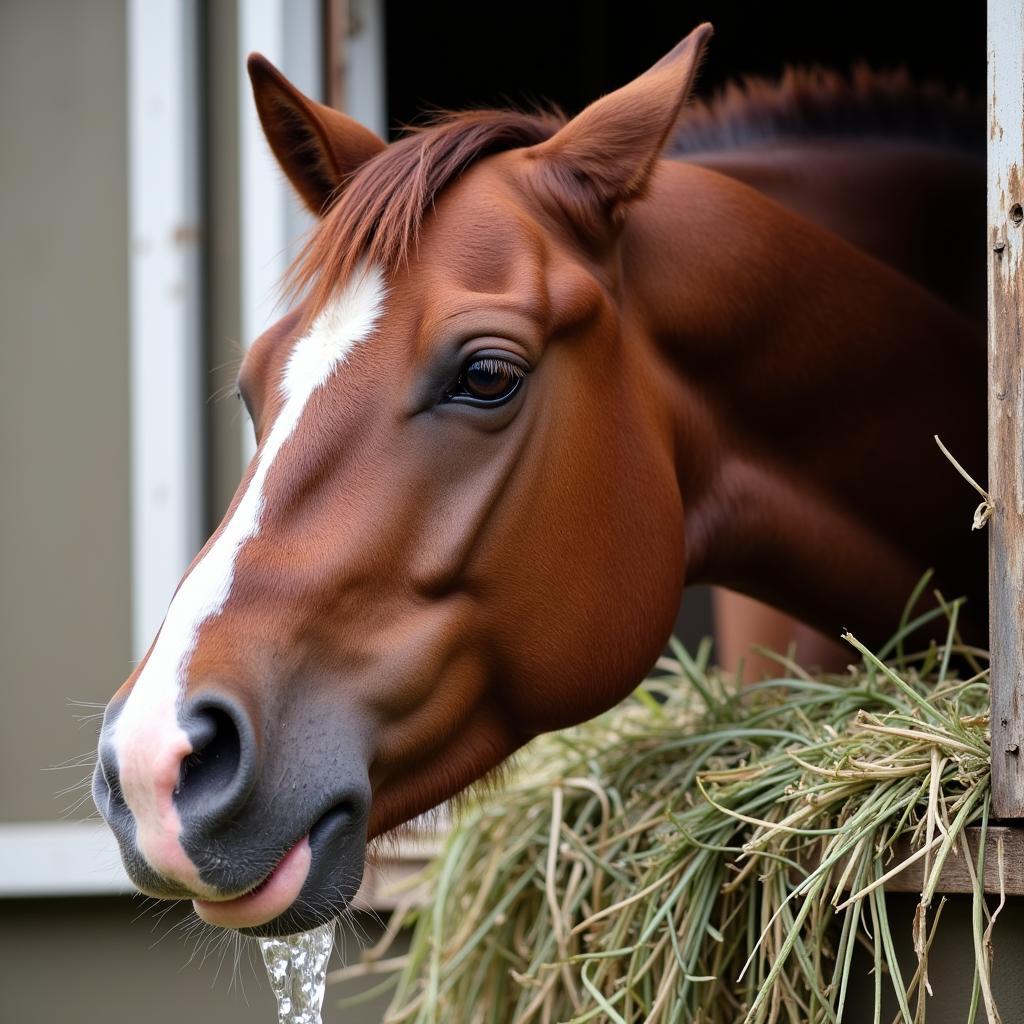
(805, 391)
(880, 194)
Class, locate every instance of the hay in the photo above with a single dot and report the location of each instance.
(711, 853)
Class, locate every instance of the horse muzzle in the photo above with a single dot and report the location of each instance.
(263, 828)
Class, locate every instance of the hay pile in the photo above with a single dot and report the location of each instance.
(712, 854)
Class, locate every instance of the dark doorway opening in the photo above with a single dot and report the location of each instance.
(454, 54)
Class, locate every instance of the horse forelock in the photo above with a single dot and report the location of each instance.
(380, 208)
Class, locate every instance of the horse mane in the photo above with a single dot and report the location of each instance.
(820, 103)
(379, 209)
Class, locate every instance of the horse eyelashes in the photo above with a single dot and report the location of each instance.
(496, 366)
(487, 381)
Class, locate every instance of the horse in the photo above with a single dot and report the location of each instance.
(539, 373)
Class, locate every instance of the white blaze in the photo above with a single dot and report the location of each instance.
(148, 741)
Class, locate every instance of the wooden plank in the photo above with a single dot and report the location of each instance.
(387, 878)
(336, 31)
(354, 55)
(956, 877)
(1006, 400)
(166, 305)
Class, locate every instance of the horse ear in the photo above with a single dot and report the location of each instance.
(316, 146)
(611, 148)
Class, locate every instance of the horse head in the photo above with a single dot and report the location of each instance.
(462, 525)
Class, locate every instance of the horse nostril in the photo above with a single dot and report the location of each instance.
(218, 772)
(216, 751)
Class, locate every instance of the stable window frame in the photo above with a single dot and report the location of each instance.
(1006, 402)
(170, 436)
(166, 270)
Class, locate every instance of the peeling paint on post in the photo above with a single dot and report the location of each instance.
(1006, 399)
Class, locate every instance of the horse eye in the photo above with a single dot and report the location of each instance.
(487, 381)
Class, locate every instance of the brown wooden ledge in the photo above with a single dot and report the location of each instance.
(955, 876)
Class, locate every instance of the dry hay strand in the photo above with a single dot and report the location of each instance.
(712, 853)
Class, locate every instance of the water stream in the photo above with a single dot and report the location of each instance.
(297, 965)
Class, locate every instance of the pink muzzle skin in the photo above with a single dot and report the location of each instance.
(150, 760)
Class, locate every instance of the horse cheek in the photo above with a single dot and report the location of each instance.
(599, 614)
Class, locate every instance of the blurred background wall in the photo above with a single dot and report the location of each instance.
(65, 601)
(144, 228)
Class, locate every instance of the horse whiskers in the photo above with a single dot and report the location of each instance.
(229, 940)
(151, 903)
(86, 760)
(237, 980)
(216, 947)
(235, 361)
(94, 716)
(358, 906)
(233, 952)
(73, 808)
(348, 921)
(96, 710)
(224, 391)
(84, 783)
(207, 940)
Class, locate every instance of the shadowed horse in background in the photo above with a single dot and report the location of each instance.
(538, 374)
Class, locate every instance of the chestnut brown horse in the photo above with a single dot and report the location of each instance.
(539, 375)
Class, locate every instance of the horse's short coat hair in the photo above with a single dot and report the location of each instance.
(807, 103)
(721, 384)
(379, 209)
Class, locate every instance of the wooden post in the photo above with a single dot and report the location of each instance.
(354, 57)
(336, 30)
(1006, 399)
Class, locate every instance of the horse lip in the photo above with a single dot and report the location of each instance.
(315, 832)
(228, 897)
(282, 886)
(325, 836)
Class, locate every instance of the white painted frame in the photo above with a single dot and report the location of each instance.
(365, 81)
(165, 229)
(80, 858)
(72, 858)
(164, 135)
(60, 858)
(272, 220)
(1006, 400)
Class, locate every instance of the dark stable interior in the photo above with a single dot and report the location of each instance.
(452, 54)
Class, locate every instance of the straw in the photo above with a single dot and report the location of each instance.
(712, 854)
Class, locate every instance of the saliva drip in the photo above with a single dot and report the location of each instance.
(297, 965)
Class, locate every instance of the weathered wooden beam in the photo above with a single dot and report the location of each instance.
(956, 876)
(336, 27)
(386, 881)
(1006, 400)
